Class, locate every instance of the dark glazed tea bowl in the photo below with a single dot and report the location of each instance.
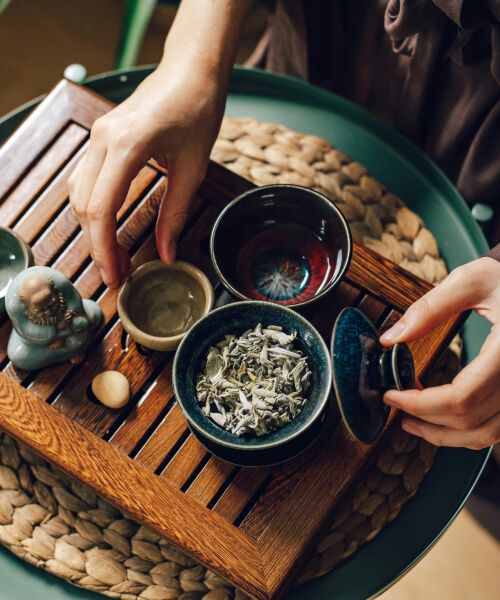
(284, 244)
(15, 256)
(277, 446)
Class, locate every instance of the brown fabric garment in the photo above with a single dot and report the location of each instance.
(494, 253)
(430, 68)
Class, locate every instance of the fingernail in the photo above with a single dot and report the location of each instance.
(394, 333)
(104, 277)
(410, 428)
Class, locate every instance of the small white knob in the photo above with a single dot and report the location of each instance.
(482, 212)
(75, 72)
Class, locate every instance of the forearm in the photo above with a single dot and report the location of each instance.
(205, 37)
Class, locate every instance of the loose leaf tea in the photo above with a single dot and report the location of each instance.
(254, 384)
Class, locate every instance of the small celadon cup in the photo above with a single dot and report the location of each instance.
(15, 256)
(159, 303)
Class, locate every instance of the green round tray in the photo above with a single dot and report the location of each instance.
(406, 171)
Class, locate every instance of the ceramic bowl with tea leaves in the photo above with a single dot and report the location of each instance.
(282, 243)
(299, 413)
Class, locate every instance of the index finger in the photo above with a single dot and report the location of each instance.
(108, 195)
(461, 290)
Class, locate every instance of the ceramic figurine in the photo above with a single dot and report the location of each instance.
(51, 322)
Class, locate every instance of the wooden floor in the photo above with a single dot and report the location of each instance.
(37, 41)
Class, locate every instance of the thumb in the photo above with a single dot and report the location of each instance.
(455, 294)
(182, 185)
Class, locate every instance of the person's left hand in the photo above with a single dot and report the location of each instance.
(466, 412)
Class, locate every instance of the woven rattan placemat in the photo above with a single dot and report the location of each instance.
(55, 523)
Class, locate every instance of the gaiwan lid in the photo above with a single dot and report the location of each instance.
(363, 370)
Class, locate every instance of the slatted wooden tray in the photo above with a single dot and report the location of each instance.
(253, 526)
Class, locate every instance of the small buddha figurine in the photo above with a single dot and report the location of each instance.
(51, 322)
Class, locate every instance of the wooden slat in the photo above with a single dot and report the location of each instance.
(210, 480)
(67, 102)
(50, 163)
(392, 318)
(63, 228)
(38, 131)
(240, 492)
(372, 307)
(164, 439)
(184, 463)
(145, 413)
(40, 213)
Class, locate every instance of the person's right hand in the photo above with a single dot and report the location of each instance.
(466, 412)
(173, 117)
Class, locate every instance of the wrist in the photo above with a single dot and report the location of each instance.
(205, 35)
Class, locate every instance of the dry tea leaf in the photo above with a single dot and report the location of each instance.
(254, 384)
(408, 222)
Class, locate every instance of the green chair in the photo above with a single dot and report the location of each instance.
(3, 4)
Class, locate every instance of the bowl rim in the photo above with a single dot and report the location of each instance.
(281, 186)
(158, 265)
(322, 402)
(29, 260)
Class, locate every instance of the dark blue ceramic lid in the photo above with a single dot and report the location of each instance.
(363, 370)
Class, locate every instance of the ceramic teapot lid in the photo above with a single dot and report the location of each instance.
(363, 370)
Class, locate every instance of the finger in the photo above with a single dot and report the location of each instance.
(486, 435)
(471, 399)
(123, 260)
(81, 185)
(458, 292)
(108, 195)
(183, 182)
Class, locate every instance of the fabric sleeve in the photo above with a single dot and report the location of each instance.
(404, 19)
(470, 14)
(494, 252)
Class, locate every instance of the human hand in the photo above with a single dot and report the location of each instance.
(466, 412)
(173, 117)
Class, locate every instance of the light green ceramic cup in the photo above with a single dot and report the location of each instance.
(159, 303)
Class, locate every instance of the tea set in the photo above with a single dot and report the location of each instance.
(278, 251)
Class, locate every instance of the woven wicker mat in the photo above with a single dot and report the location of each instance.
(57, 524)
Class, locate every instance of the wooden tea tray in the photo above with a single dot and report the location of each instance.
(252, 526)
